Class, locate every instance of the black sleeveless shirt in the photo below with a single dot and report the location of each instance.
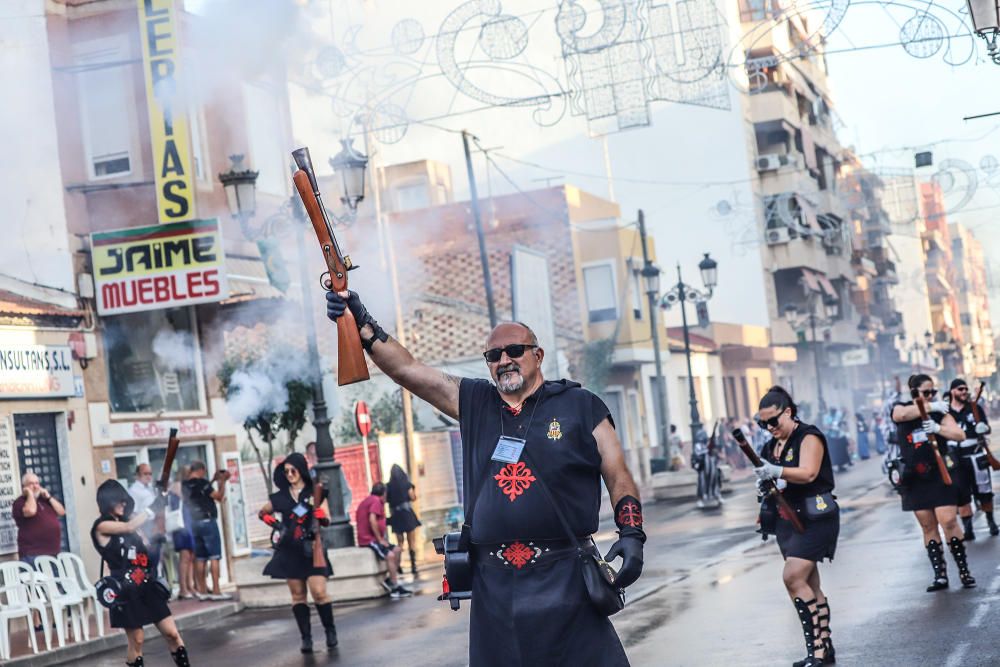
(115, 552)
(790, 459)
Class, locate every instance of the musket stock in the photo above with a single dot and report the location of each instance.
(932, 437)
(161, 484)
(351, 365)
(771, 486)
(978, 416)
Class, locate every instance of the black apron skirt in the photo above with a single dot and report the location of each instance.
(818, 542)
(538, 616)
(291, 562)
(926, 494)
(147, 606)
(403, 521)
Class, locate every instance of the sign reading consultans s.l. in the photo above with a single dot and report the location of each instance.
(168, 122)
(161, 266)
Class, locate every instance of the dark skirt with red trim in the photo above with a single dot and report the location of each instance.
(538, 616)
(292, 562)
(147, 606)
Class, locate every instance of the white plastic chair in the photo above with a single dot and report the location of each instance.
(63, 595)
(17, 600)
(74, 568)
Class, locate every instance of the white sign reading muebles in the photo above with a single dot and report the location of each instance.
(35, 371)
(9, 488)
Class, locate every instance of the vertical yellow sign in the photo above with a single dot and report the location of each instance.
(168, 122)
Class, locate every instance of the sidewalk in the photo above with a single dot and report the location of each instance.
(187, 614)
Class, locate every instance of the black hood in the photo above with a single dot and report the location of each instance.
(298, 460)
(553, 387)
(109, 494)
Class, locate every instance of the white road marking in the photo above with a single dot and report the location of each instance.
(977, 618)
(957, 655)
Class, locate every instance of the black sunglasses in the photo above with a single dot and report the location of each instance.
(772, 422)
(515, 351)
(927, 393)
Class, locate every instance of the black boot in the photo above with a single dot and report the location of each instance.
(301, 613)
(994, 528)
(970, 535)
(135, 663)
(325, 612)
(829, 654)
(413, 562)
(180, 657)
(808, 617)
(958, 553)
(936, 554)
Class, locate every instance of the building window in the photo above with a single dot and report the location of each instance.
(635, 278)
(199, 154)
(412, 196)
(107, 107)
(266, 131)
(599, 283)
(153, 362)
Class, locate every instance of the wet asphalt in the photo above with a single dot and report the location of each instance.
(710, 594)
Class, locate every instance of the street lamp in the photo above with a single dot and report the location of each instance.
(682, 293)
(986, 23)
(821, 313)
(240, 185)
(351, 166)
(651, 278)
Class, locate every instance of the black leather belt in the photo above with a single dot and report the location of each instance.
(520, 554)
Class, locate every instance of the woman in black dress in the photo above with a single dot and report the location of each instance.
(292, 540)
(400, 494)
(798, 458)
(115, 536)
(922, 488)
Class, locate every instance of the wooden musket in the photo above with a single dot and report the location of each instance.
(161, 484)
(932, 438)
(318, 556)
(978, 416)
(351, 366)
(771, 486)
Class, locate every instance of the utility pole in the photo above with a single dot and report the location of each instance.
(651, 273)
(696, 427)
(821, 404)
(483, 257)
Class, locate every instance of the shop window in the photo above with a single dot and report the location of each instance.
(106, 106)
(599, 284)
(153, 362)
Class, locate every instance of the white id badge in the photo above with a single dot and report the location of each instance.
(919, 436)
(131, 553)
(508, 449)
(300, 510)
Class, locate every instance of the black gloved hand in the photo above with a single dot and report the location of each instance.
(336, 305)
(629, 548)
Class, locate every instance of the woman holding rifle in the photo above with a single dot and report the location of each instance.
(797, 459)
(926, 487)
(292, 540)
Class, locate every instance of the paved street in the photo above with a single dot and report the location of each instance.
(710, 595)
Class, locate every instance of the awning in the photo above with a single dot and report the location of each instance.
(827, 286)
(809, 279)
(248, 281)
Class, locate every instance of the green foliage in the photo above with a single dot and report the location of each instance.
(595, 364)
(386, 409)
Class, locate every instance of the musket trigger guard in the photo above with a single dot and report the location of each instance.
(325, 281)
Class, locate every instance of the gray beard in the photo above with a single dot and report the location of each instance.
(512, 384)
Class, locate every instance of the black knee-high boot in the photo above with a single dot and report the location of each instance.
(808, 618)
(994, 528)
(413, 561)
(958, 553)
(936, 554)
(180, 657)
(301, 613)
(970, 534)
(829, 654)
(325, 612)
(138, 662)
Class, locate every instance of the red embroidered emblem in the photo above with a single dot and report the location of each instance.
(297, 533)
(630, 515)
(514, 479)
(138, 576)
(922, 468)
(518, 554)
(142, 560)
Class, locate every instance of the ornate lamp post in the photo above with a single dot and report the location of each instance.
(240, 185)
(821, 314)
(985, 16)
(682, 293)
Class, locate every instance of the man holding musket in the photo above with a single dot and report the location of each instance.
(532, 449)
(972, 470)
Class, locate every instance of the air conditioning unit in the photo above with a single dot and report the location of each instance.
(774, 161)
(777, 236)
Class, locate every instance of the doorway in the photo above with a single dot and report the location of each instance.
(38, 452)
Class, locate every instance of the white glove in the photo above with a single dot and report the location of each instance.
(940, 407)
(782, 484)
(982, 428)
(768, 471)
(931, 426)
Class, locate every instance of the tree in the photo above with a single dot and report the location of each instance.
(386, 409)
(266, 395)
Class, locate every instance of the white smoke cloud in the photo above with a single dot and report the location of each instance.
(260, 387)
(174, 349)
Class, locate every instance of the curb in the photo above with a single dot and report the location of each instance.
(79, 650)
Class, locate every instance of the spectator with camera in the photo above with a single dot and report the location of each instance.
(202, 497)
